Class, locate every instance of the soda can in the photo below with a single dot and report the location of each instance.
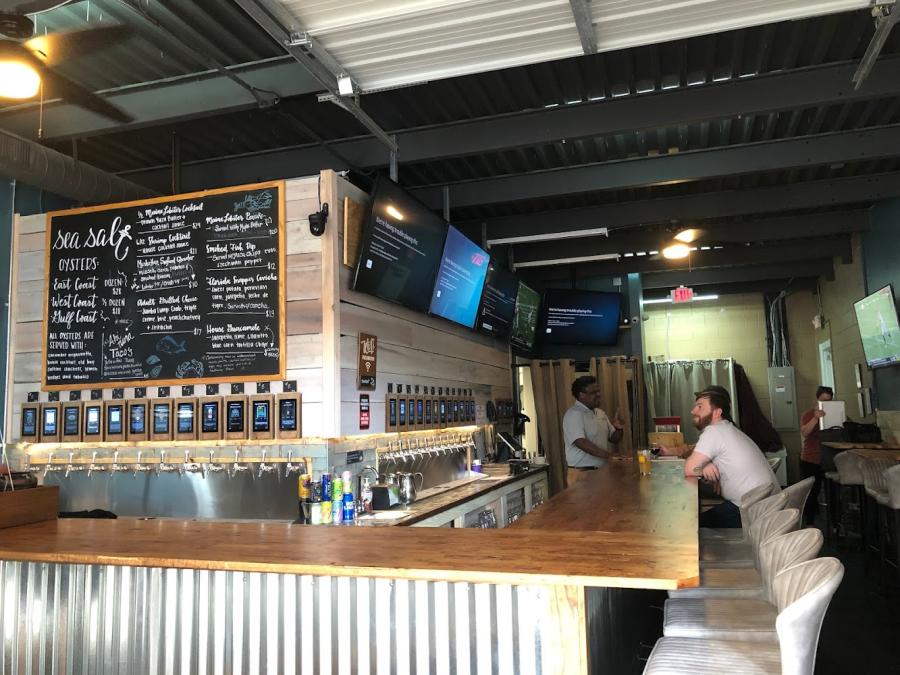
(315, 514)
(349, 507)
(337, 489)
(347, 479)
(326, 485)
(326, 513)
(337, 511)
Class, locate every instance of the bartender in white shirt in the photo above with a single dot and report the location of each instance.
(587, 430)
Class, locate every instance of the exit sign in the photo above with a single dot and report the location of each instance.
(682, 294)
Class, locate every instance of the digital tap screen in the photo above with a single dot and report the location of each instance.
(70, 421)
(114, 419)
(185, 418)
(456, 411)
(287, 415)
(443, 411)
(392, 412)
(210, 424)
(402, 416)
(92, 420)
(138, 420)
(50, 421)
(161, 413)
(261, 416)
(420, 412)
(29, 422)
(235, 412)
(428, 412)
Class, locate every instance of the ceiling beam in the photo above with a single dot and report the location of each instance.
(732, 256)
(746, 96)
(581, 11)
(643, 239)
(282, 27)
(730, 275)
(165, 101)
(804, 151)
(573, 223)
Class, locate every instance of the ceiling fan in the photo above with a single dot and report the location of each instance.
(29, 61)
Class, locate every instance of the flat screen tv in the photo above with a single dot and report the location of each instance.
(573, 317)
(524, 325)
(460, 279)
(498, 302)
(401, 247)
(876, 316)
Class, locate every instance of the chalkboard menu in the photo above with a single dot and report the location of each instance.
(167, 291)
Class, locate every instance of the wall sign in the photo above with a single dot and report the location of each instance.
(367, 361)
(168, 290)
(364, 412)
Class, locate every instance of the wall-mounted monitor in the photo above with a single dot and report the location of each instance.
(498, 302)
(572, 317)
(401, 247)
(460, 279)
(876, 316)
(524, 325)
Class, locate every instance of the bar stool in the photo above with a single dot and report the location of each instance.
(889, 510)
(798, 493)
(746, 555)
(775, 554)
(741, 553)
(801, 592)
(749, 498)
(745, 619)
(875, 488)
(846, 500)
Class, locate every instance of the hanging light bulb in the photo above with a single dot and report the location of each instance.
(18, 80)
(676, 251)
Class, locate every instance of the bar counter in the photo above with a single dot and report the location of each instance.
(518, 593)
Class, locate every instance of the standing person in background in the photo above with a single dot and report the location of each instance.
(811, 454)
(587, 430)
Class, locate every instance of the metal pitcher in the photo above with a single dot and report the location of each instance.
(408, 488)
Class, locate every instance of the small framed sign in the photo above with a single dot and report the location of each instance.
(364, 415)
(367, 361)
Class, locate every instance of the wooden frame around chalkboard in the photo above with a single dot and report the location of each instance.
(282, 288)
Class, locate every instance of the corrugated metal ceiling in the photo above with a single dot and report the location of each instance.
(392, 43)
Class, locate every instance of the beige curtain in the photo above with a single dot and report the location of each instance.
(621, 390)
(552, 383)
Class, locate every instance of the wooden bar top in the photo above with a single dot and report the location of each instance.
(877, 454)
(583, 538)
(840, 445)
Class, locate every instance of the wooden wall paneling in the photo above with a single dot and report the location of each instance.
(330, 192)
(26, 337)
(31, 242)
(32, 224)
(413, 363)
(352, 231)
(10, 353)
(412, 331)
(29, 266)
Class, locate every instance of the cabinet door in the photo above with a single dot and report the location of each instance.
(515, 505)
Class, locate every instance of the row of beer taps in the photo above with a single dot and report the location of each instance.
(162, 465)
(434, 446)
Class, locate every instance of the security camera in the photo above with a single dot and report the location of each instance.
(317, 221)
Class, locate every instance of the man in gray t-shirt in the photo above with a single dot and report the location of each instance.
(726, 455)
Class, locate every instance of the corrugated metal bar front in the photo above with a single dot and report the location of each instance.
(87, 619)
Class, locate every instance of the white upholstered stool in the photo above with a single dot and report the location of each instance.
(749, 498)
(741, 553)
(775, 554)
(802, 593)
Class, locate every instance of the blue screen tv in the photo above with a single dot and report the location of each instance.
(460, 279)
(572, 317)
(401, 247)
